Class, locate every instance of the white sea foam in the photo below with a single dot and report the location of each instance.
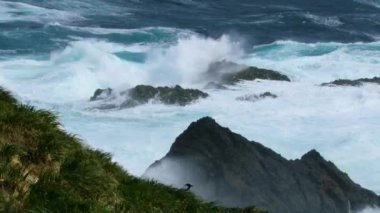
(370, 210)
(374, 3)
(74, 73)
(185, 62)
(146, 30)
(69, 75)
(340, 122)
(330, 21)
(318, 62)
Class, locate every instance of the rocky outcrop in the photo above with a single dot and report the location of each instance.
(101, 94)
(143, 94)
(253, 73)
(354, 83)
(231, 73)
(227, 168)
(255, 97)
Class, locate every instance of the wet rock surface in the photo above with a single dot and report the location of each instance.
(253, 73)
(143, 94)
(354, 83)
(231, 73)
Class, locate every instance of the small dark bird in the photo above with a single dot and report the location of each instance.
(188, 186)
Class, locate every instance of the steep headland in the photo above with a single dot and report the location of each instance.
(226, 168)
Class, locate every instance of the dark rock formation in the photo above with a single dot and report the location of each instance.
(354, 83)
(101, 94)
(143, 94)
(253, 73)
(254, 97)
(227, 168)
(230, 73)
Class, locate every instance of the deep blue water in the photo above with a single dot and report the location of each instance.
(25, 29)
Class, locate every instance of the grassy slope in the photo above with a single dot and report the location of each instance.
(45, 169)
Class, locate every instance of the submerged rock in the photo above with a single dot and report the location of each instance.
(214, 85)
(219, 68)
(231, 73)
(253, 73)
(101, 94)
(354, 83)
(226, 168)
(256, 97)
(143, 94)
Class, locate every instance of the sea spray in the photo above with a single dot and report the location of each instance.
(55, 54)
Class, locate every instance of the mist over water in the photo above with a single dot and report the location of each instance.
(55, 54)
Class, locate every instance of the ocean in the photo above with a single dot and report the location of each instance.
(55, 53)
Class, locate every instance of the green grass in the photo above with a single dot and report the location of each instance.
(45, 169)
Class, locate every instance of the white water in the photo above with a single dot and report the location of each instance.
(330, 21)
(319, 62)
(374, 3)
(342, 123)
(370, 210)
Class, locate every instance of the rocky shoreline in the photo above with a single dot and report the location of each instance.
(223, 167)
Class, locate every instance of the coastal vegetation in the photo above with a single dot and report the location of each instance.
(45, 169)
